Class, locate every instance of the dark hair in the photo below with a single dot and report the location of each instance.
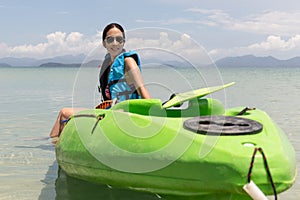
(110, 26)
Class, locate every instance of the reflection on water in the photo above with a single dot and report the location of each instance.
(65, 187)
(69, 188)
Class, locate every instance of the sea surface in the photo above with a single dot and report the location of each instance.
(32, 97)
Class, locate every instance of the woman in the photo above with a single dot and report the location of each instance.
(120, 76)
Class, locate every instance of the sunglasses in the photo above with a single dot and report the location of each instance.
(111, 39)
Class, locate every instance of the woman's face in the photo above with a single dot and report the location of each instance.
(114, 42)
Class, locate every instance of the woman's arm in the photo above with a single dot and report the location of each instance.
(134, 73)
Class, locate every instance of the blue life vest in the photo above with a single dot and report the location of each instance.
(117, 84)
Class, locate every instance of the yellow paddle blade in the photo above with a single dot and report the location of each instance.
(182, 97)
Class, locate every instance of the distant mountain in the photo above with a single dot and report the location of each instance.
(92, 63)
(17, 62)
(76, 61)
(31, 62)
(4, 65)
(53, 64)
(68, 59)
(293, 62)
(253, 61)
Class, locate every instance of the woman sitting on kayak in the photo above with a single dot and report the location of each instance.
(120, 76)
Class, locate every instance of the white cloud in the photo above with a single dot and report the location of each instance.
(56, 38)
(274, 22)
(61, 43)
(166, 44)
(273, 45)
(57, 44)
(281, 29)
(277, 43)
(271, 22)
(74, 38)
(3, 49)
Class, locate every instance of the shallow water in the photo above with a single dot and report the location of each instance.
(32, 97)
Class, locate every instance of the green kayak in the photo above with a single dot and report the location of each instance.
(197, 150)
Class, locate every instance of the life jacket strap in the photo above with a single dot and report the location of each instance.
(116, 81)
(134, 94)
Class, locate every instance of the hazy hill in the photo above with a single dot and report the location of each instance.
(75, 61)
(92, 63)
(54, 64)
(253, 61)
(31, 62)
(4, 65)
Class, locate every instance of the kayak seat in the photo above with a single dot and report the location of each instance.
(199, 107)
(153, 107)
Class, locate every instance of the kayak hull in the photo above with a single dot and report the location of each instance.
(139, 145)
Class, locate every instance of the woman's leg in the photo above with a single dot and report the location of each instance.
(64, 114)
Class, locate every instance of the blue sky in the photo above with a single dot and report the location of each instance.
(40, 29)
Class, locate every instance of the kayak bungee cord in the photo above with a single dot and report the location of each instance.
(245, 110)
(98, 117)
(266, 167)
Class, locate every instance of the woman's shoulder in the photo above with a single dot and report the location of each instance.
(129, 60)
(131, 56)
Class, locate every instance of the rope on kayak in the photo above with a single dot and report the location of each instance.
(98, 117)
(266, 167)
(242, 112)
(74, 116)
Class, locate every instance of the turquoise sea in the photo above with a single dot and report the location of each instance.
(31, 98)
